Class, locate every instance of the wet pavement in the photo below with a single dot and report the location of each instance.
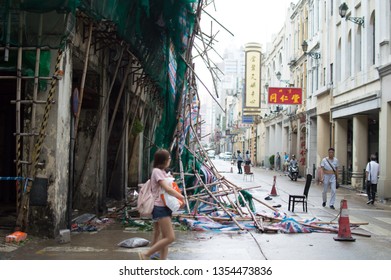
(251, 245)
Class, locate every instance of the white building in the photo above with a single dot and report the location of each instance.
(345, 77)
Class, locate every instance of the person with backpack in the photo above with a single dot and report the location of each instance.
(161, 214)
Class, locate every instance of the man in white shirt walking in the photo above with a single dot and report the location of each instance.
(329, 176)
(372, 173)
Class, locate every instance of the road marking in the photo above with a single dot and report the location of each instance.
(376, 230)
(7, 249)
(72, 249)
(386, 220)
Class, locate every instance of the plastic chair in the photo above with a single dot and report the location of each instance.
(293, 199)
(248, 173)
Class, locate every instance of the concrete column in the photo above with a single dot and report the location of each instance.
(272, 139)
(341, 140)
(384, 184)
(323, 137)
(285, 139)
(360, 149)
(312, 145)
(279, 137)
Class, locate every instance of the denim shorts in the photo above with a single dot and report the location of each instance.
(160, 212)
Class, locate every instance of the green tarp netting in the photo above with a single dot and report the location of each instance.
(156, 31)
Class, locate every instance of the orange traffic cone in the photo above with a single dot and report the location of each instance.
(274, 191)
(344, 233)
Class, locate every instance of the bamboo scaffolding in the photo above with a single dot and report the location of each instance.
(221, 192)
(184, 185)
(222, 207)
(210, 184)
(207, 58)
(83, 78)
(206, 202)
(101, 117)
(35, 93)
(332, 229)
(257, 224)
(207, 89)
(220, 219)
(125, 127)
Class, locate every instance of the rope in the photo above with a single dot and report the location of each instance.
(49, 101)
(19, 192)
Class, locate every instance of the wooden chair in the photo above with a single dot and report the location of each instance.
(248, 173)
(293, 199)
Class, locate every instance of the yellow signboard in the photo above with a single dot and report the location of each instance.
(253, 79)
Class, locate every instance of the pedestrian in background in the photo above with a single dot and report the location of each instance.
(329, 177)
(161, 214)
(286, 161)
(372, 173)
(293, 161)
(239, 161)
(278, 161)
(247, 160)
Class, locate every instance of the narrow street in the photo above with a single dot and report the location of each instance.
(208, 245)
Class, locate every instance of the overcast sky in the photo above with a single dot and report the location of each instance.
(248, 20)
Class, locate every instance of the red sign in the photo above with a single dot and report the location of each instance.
(285, 95)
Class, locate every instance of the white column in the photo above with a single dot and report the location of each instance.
(279, 137)
(312, 144)
(384, 184)
(285, 140)
(360, 149)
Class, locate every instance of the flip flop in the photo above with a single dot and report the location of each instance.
(155, 256)
(141, 256)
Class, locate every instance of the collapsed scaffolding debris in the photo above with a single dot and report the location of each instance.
(213, 203)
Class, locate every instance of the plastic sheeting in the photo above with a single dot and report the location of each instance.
(203, 223)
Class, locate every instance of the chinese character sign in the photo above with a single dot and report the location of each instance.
(253, 79)
(289, 96)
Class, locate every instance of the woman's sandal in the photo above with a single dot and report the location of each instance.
(141, 256)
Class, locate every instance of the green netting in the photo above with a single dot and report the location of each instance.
(28, 65)
(40, 6)
(150, 27)
(249, 199)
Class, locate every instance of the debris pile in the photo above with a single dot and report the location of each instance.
(89, 222)
(213, 203)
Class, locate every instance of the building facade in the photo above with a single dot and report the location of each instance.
(342, 64)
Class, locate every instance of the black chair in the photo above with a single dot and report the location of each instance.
(293, 199)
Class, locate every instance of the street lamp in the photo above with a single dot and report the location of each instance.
(278, 75)
(314, 55)
(343, 9)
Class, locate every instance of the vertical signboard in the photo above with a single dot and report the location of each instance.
(252, 94)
